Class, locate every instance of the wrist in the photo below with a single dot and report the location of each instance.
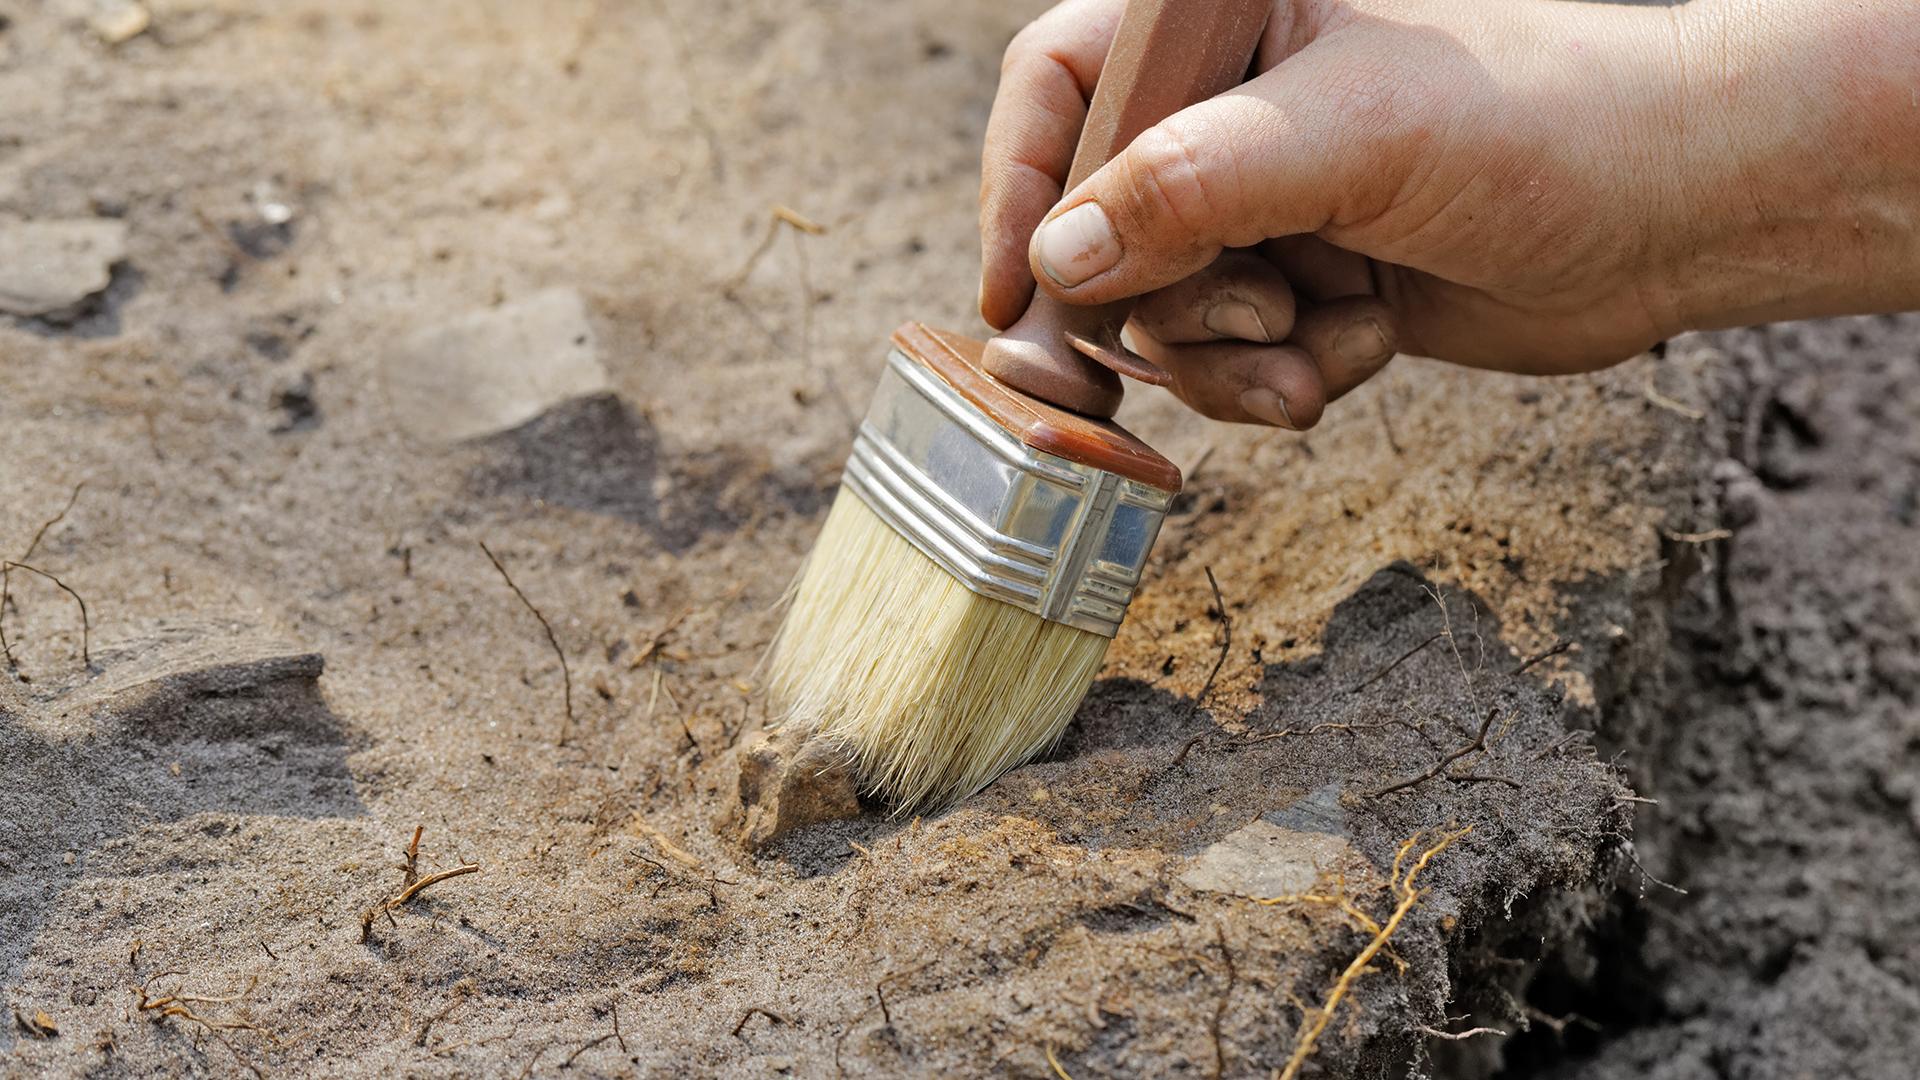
(1794, 168)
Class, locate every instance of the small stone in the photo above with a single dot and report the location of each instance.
(121, 23)
(788, 781)
(50, 268)
(492, 370)
(1262, 860)
(39, 1025)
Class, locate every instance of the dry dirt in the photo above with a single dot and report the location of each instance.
(299, 654)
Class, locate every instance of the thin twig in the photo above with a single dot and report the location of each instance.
(1706, 537)
(1388, 670)
(1288, 733)
(1453, 643)
(568, 1064)
(175, 1005)
(1557, 1024)
(1479, 743)
(41, 534)
(1185, 749)
(659, 638)
(86, 623)
(748, 1015)
(880, 986)
(1460, 1036)
(788, 215)
(238, 255)
(1563, 741)
(6, 573)
(566, 673)
(802, 226)
(1558, 647)
(1192, 471)
(1654, 396)
(1386, 423)
(534, 1060)
(459, 993)
(1635, 859)
(1482, 778)
(412, 885)
(1226, 644)
(411, 868)
(413, 890)
(1220, 1008)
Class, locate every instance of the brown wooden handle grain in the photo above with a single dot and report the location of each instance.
(1166, 55)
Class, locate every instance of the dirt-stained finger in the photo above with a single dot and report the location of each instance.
(1240, 297)
(1349, 339)
(1046, 80)
(1243, 383)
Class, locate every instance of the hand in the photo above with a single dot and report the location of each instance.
(1528, 185)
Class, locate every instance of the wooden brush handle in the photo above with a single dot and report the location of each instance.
(1166, 55)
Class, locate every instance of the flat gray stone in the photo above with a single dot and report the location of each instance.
(1262, 860)
(51, 267)
(1319, 812)
(491, 370)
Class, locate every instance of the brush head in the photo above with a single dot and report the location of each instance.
(980, 554)
(934, 689)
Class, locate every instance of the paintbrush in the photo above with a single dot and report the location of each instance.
(993, 521)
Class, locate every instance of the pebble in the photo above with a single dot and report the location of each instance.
(50, 268)
(122, 22)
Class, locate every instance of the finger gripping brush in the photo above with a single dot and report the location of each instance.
(993, 522)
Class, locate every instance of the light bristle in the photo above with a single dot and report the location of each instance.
(934, 689)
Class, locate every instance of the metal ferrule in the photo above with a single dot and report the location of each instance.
(1064, 541)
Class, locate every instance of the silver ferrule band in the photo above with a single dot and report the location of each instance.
(1062, 540)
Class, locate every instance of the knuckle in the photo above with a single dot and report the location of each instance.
(1163, 179)
(1181, 172)
(1025, 45)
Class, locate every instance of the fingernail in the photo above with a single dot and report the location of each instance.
(1268, 406)
(1236, 319)
(1077, 245)
(1362, 343)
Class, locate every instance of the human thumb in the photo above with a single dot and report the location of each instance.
(1264, 160)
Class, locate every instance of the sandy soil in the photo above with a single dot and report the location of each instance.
(201, 810)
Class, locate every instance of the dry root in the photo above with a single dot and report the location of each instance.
(410, 886)
(179, 1006)
(1406, 868)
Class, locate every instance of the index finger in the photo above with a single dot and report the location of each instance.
(1046, 80)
